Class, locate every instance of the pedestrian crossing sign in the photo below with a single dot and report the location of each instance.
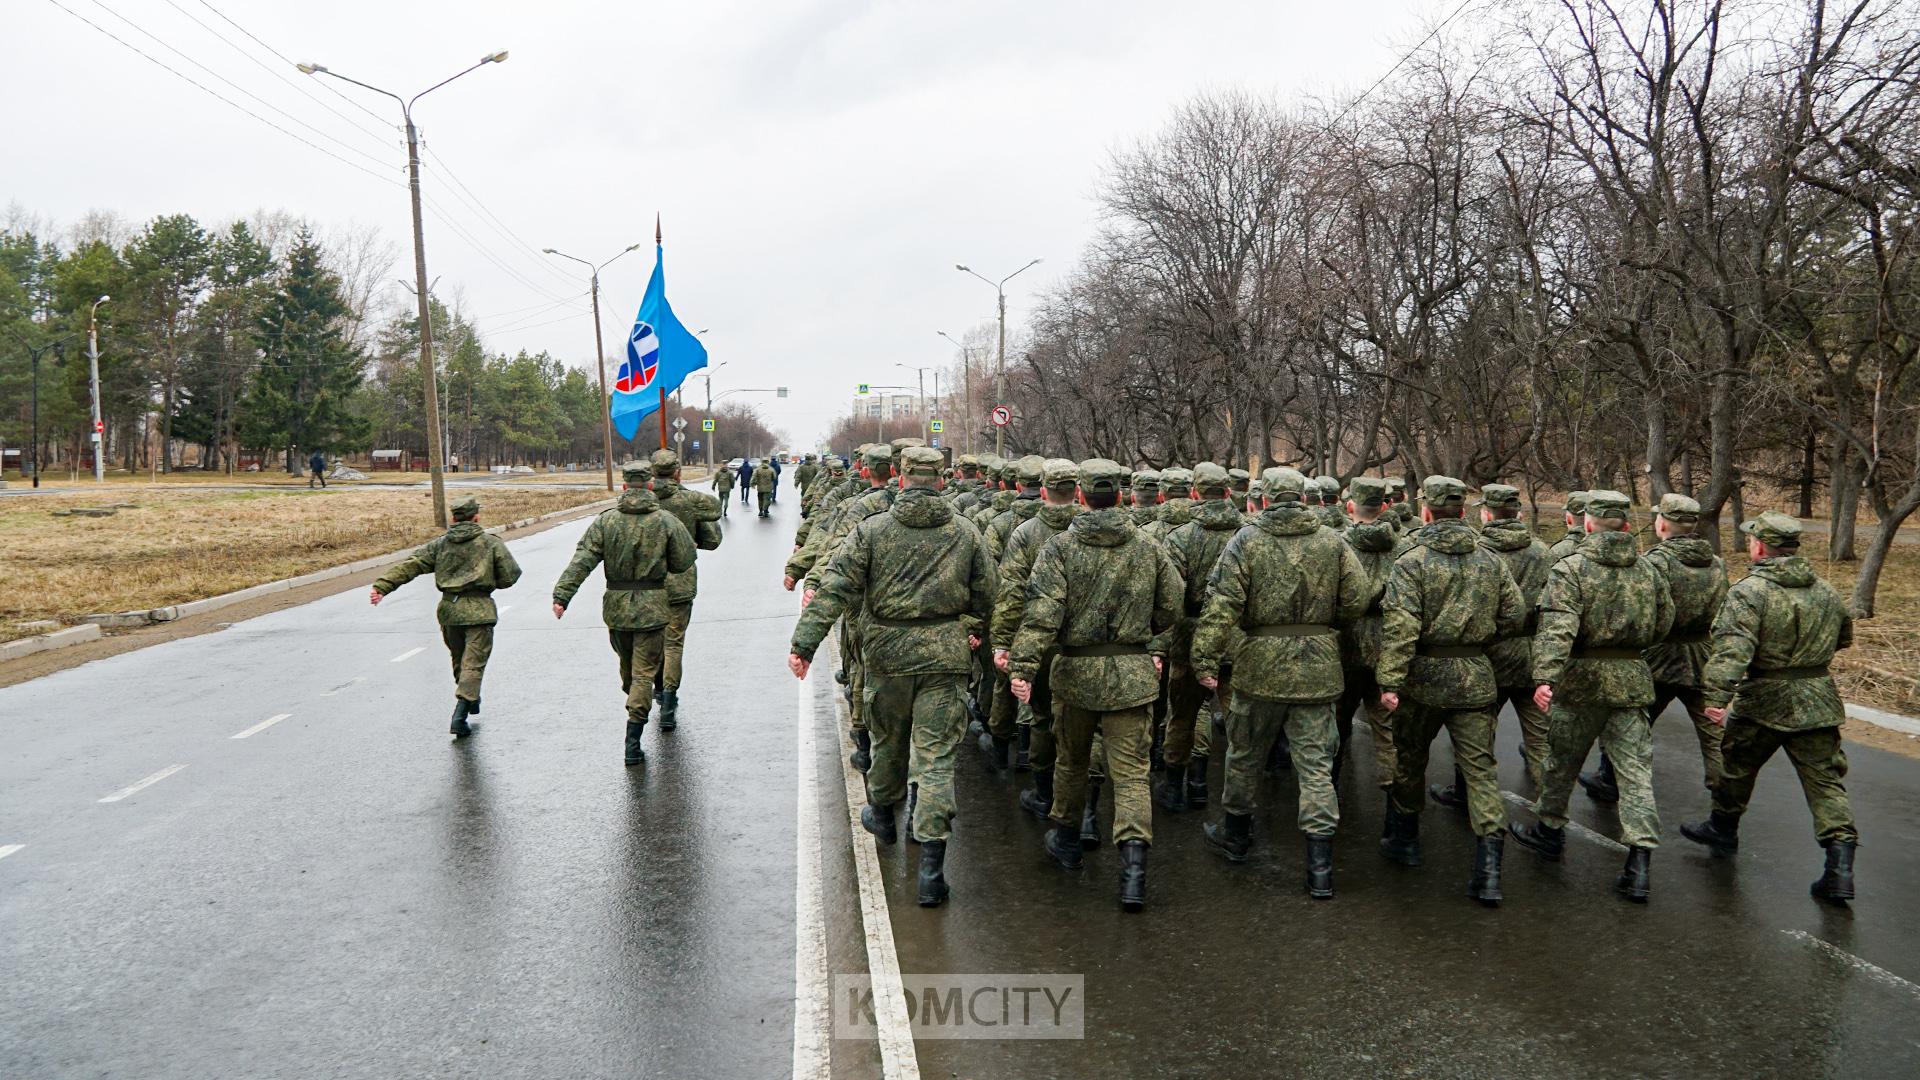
(706, 425)
(863, 388)
(939, 425)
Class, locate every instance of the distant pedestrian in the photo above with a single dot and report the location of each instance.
(723, 486)
(318, 464)
(775, 496)
(764, 479)
(746, 479)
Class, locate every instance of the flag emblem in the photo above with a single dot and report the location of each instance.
(642, 362)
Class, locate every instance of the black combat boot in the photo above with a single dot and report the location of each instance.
(1231, 836)
(669, 707)
(1453, 796)
(1320, 867)
(1197, 782)
(996, 748)
(1600, 784)
(635, 755)
(1720, 833)
(1400, 837)
(1064, 846)
(1173, 788)
(1090, 819)
(878, 820)
(1022, 749)
(1038, 799)
(933, 878)
(1133, 875)
(1484, 885)
(1836, 884)
(1548, 843)
(862, 756)
(460, 729)
(473, 707)
(1632, 882)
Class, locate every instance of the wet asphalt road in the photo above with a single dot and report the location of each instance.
(346, 892)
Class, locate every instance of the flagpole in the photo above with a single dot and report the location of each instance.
(663, 388)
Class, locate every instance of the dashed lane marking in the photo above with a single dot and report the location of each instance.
(142, 784)
(261, 726)
(8, 849)
(409, 654)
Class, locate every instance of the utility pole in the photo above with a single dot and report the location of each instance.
(966, 379)
(600, 354)
(93, 379)
(1000, 372)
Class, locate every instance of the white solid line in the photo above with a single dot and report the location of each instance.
(262, 726)
(149, 782)
(1573, 827)
(502, 609)
(8, 849)
(897, 1058)
(408, 655)
(1870, 970)
(812, 1053)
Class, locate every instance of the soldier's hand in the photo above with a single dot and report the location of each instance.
(798, 665)
(559, 610)
(1543, 697)
(1002, 659)
(788, 583)
(805, 599)
(374, 597)
(1389, 700)
(1022, 690)
(1718, 716)
(973, 641)
(1211, 682)
(1159, 665)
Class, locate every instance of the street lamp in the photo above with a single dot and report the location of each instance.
(966, 383)
(926, 429)
(600, 354)
(93, 380)
(1000, 373)
(34, 353)
(435, 450)
(776, 391)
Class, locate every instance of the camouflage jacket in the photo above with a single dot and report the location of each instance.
(850, 514)
(1404, 516)
(1528, 560)
(1333, 517)
(1195, 549)
(1772, 641)
(466, 559)
(1173, 514)
(820, 503)
(764, 478)
(1285, 584)
(803, 476)
(1567, 544)
(1376, 544)
(1001, 525)
(1602, 598)
(1098, 584)
(1697, 578)
(1446, 594)
(966, 495)
(811, 537)
(723, 479)
(638, 545)
(990, 506)
(916, 576)
(1016, 566)
(701, 516)
(1143, 516)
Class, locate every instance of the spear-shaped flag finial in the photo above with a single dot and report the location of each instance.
(656, 226)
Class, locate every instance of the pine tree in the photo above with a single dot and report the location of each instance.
(309, 370)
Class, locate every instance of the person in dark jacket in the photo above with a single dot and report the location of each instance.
(775, 462)
(318, 465)
(746, 479)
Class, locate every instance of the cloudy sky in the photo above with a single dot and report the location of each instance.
(820, 165)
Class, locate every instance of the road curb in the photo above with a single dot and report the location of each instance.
(151, 616)
(58, 639)
(1905, 725)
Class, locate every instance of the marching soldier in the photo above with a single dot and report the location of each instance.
(1059, 506)
(1447, 600)
(1285, 584)
(1145, 492)
(641, 548)
(916, 574)
(1238, 481)
(1195, 548)
(1403, 515)
(1576, 527)
(803, 475)
(700, 514)
(723, 486)
(1176, 504)
(1103, 595)
(1768, 681)
(468, 564)
(1376, 541)
(1003, 710)
(1330, 514)
(764, 477)
(1603, 608)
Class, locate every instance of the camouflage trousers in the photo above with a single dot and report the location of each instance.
(678, 616)
(856, 674)
(1188, 735)
(1625, 737)
(640, 653)
(469, 647)
(1004, 712)
(1362, 692)
(1037, 715)
(1252, 726)
(1705, 730)
(762, 499)
(1535, 735)
(1816, 755)
(1121, 740)
(918, 722)
(1415, 726)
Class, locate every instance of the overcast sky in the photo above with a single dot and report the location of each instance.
(820, 166)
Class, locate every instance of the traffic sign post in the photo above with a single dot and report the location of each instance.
(696, 444)
(939, 426)
(863, 388)
(706, 425)
(679, 423)
(679, 437)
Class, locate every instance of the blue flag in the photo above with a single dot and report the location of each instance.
(661, 353)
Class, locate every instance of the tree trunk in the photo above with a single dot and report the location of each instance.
(1884, 535)
(1807, 453)
(1844, 518)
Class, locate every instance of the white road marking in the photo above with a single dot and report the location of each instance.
(262, 726)
(1870, 970)
(1573, 827)
(147, 783)
(812, 1052)
(502, 609)
(348, 685)
(8, 849)
(409, 654)
(897, 1058)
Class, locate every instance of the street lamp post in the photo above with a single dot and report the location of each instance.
(706, 437)
(93, 382)
(1000, 372)
(926, 419)
(435, 449)
(600, 354)
(34, 353)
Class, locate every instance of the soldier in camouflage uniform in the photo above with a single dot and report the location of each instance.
(1195, 548)
(1176, 504)
(1000, 493)
(980, 485)
(1279, 593)
(1103, 596)
(701, 516)
(1002, 728)
(918, 575)
(723, 486)
(1604, 606)
(763, 480)
(1447, 600)
(1576, 527)
(1377, 541)
(803, 475)
(1256, 500)
(843, 482)
(1397, 503)
(1144, 490)
(1238, 481)
(1330, 512)
(641, 548)
(468, 564)
(1059, 479)
(1768, 681)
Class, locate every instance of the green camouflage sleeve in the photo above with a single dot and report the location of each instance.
(1401, 617)
(1352, 590)
(841, 588)
(586, 556)
(681, 551)
(1736, 634)
(832, 544)
(1560, 607)
(983, 587)
(420, 562)
(1046, 608)
(1169, 602)
(1513, 615)
(1226, 604)
(1011, 605)
(506, 571)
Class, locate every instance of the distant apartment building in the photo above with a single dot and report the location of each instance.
(886, 405)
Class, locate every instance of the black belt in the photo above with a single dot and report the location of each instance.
(1454, 652)
(634, 585)
(928, 620)
(1112, 649)
(1811, 671)
(465, 594)
(1687, 639)
(1194, 609)
(1598, 653)
(1290, 629)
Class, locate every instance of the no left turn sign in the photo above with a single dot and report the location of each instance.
(1002, 416)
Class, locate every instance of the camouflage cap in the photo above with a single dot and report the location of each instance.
(1443, 491)
(921, 461)
(1144, 480)
(1677, 507)
(1607, 504)
(664, 461)
(1176, 480)
(1239, 479)
(1499, 495)
(1576, 502)
(969, 465)
(1256, 489)
(1060, 475)
(1280, 481)
(1773, 529)
(1028, 470)
(809, 457)
(1210, 479)
(905, 441)
(1101, 475)
(1329, 487)
(1368, 490)
(988, 463)
(834, 464)
(877, 454)
(467, 507)
(636, 472)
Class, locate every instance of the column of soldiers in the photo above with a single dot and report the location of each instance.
(1107, 628)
